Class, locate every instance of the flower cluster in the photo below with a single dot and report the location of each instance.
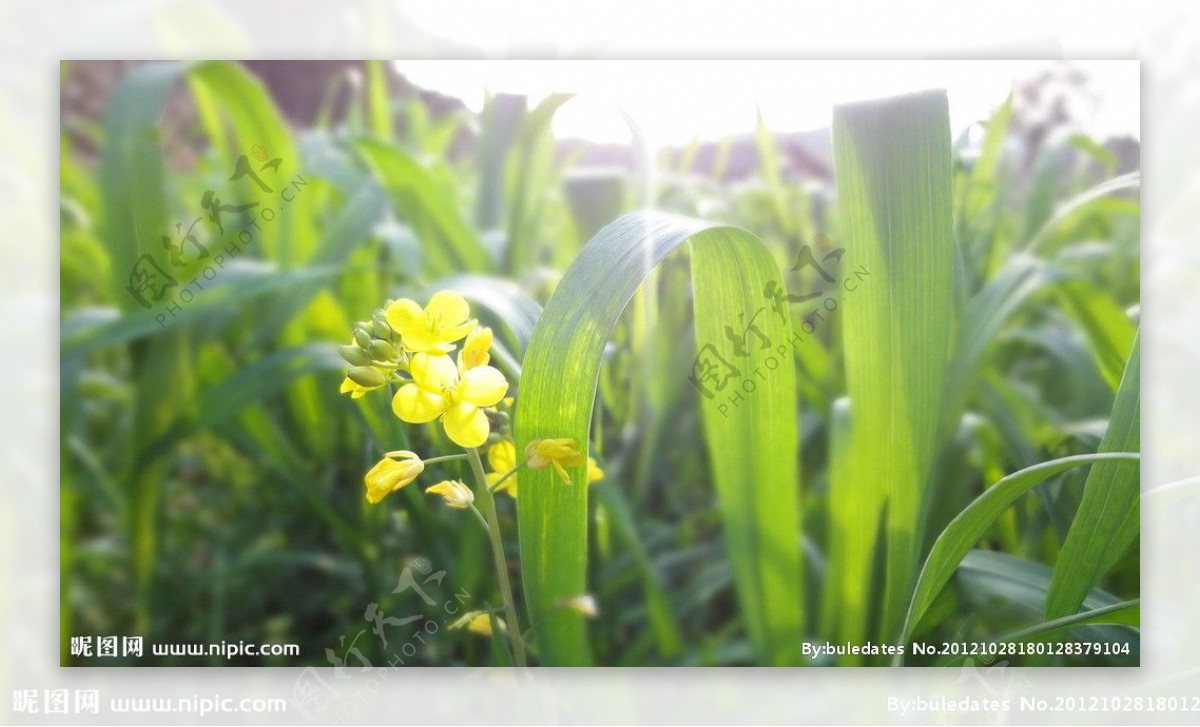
(413, 348)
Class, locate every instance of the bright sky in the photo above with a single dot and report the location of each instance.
(675, 101)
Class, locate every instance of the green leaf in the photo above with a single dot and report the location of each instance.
(1109, 515)
(854, 517)
(424, 203)
(237, 284)
(290, 238)
(752, 444)
(528, 174)
(1109, 331)
(1133, 180)
(132, 177)
(986, 313)
(379, 109)
(1125, 613)
(893, 170)
(973, 522)
(769, 165)
(663, 621)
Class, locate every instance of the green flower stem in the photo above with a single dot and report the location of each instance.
(489, 511)
(445, 458)
(482, 521)
(497, 484)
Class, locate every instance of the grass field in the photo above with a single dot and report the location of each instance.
(895, 407)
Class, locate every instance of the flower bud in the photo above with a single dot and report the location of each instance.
(354, 355)
(381, 330)
(361, 336)
(455, 493)
(391, 473)
(381, 350)
(367, 376)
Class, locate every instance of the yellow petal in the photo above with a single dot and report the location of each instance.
(433, 372)
(404, 315)
(388, 475)
(415, 405)
(543, 452)
(482, 386)
(448, 309)
(509, 486)
(594, 473)
(347, 386)
(455, 493)
(502, 456)
(417, 330)
(475, 349)
(466, 425)
(452, 333)
(481, 624)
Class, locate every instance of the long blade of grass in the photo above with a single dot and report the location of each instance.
(135, 214)
(973, 522)
(240, 283)
(854, 516)
(893, 169)
(379, 109)
(1133, 180)
(1108, 517)
(985, 315)
(528, 174)
(291, 238)
(1125, 613)
(752, 444)
(1109, 331)
(448, 242)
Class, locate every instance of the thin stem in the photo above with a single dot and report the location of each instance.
(445, 458)
(489, 511)
(482, 521)
(496, 485)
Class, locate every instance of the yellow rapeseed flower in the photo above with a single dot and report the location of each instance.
(355, 390)
(437, 390)
(391, 473)
(502, 458)
(594, 473)
(477, 622)
(433, 328)
(455, 493)
(558, 453)
(474, 352)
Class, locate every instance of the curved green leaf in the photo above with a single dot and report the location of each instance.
(751, 437)
(973, 522)
(1108, 518)
(1133, 180)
